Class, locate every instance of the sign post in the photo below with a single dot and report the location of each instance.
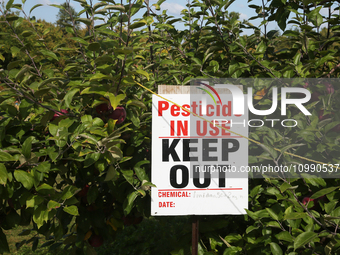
(194, 234)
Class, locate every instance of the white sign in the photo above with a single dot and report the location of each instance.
(196, 164)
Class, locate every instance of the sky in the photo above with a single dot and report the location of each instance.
(174, 7)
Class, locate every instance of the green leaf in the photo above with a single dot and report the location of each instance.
(86, 118)
(45, 189)
(66, 123)
(34, 201)
(22, 72)
(100, 76)
(9, 4)
(57, 6)
(94, 90)
(104, 60)
(115, 100)
(52, 205)
(85, 21)
(27, 33)
(98, 5)
(233, 250)
(261, 48)
(49, 80)
(49, 54)
(128, 203)
(73, 210)
(94, 46)
(35, 243)
(27, 147)
(126, 50)
(11, 17)
(275, 249)
(111, 174)
(3, 174)
(128, 175)
(137, 103)
(291, 146)
(4, 157)
(25, 232)
(15, 51)
(17, 6)
(68, 97)
(285, 236)
(282, 15)
(111, 125)
(115, 7)
(44, 167)
(53, 129)
(35, 6)
(270, 150)
(197, 61)
(108, 32)
(295, 215)
(92, 194)
(137, 24)
(144, 73)
(68, 192)
(81, 1)
(25, 178)
(315, 17)
(79, 40)
(91, 159)
(116, 153)
(140, 172)
(304, 238)
(3, 243)
(323, 192)
(272, 214)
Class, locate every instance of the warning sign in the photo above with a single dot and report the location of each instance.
(196, 164)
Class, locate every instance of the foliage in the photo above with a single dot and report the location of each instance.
(66, 15)
(152, 236)
(68, 166)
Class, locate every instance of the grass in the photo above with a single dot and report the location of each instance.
(13, 238)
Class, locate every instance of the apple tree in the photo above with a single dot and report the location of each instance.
(75, 136)
(75, 132)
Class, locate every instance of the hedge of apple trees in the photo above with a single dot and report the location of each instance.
(75, 125)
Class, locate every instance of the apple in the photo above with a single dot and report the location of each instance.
(102, 108)
(329, 88)
(132, 220)
(336, 128)
(96, 240)
(90, 208)
(315, 96)
(84, 191)
(96, 172)
(58, 114)
(322, 116)
(118, 114)
(10, 203)
(138, 220)
(306, 200)
(128, 220)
